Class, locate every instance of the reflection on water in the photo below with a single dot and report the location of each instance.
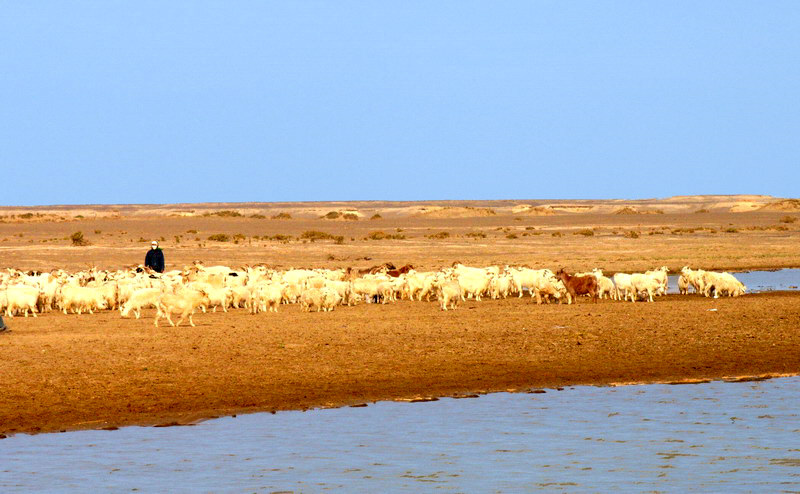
(757, 281)
(719, 437)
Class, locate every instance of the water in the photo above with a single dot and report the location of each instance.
(757, 281)
(714, 437)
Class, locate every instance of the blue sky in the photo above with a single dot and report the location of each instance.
(160, 102)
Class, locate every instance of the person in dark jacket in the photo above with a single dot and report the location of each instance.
(3, 326)
(155, 258)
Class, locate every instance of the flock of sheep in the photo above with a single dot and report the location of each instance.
(259, 289)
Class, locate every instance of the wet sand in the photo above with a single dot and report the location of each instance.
(65, 372)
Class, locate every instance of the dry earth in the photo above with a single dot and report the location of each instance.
(62, 372)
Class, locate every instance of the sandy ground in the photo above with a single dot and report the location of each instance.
(717, 239)
(62, 372)
(69, 372)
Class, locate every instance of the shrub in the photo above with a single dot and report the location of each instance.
(556, 234)
(314, 235)
(703, 210)
(511, 235)
(257, 216)
(476, 235)
(440, 235)
(278, 237)
(331, 215)
(585, 232)
(237, 237)
(78, 240)
(226, 213)
(788, 219)
(98, 232)
(282, 216)
(379, 235)
(219, 237)
(376, 216)
(631, 234)
(731, 230)
(350, 216)
(26, 216)
(782, 228)
(191, 231)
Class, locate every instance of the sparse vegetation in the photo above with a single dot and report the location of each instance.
(631, 234)
(379, 235)
(350, 216)
(511, 236)
(585, 232)
(439, 236)
(331, 215)
(556, 234)
(314, 235)
(225, 213)
(279, 238)
(475, 235)
(281, 216)
(376, 216)
(703, 210)
(788, 219)
(257, 216)
(78, 240)
(191, 231)
(219, 237)
(731, 230)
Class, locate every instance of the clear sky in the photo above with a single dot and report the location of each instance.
(158, 102)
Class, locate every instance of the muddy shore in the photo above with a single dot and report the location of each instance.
(65, 372)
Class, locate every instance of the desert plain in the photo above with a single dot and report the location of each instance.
(64, 372)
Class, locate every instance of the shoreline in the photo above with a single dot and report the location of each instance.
(102, 371)
(193, 419)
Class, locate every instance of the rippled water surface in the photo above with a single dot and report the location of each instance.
(715, 437)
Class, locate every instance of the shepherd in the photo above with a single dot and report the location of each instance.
(154, 258)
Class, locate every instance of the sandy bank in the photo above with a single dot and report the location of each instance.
(62, 372)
